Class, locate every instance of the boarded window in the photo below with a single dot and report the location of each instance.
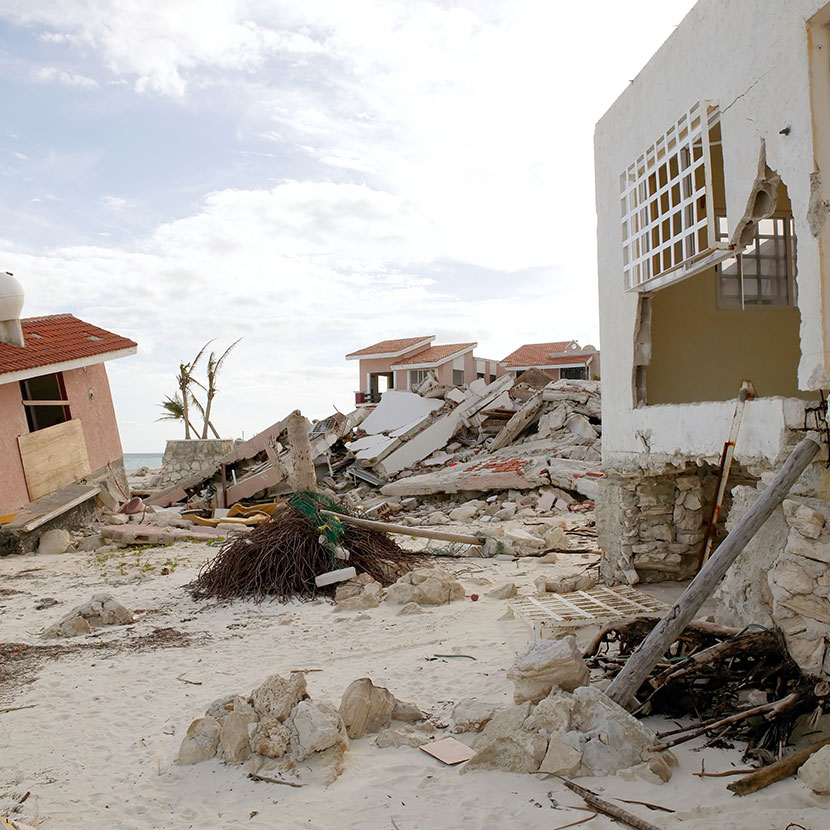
(667, 204)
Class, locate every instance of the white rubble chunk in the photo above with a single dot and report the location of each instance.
(396, 409)
(200, 742)
(425, 586)
(548, 663)
(467, 511)
(815, 771)
(564, 753)
(235, 737)
(505, 591)
(277, 696)
(271, 739)
(366, 708)
(54, 541)
(315, 727)
(808, 521)
(472, 715)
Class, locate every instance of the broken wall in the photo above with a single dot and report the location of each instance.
(186, 457)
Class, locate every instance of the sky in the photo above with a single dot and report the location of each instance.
(312, 176)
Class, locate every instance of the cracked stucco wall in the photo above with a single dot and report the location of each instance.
(752, 58)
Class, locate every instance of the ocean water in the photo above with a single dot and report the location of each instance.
(137, 460)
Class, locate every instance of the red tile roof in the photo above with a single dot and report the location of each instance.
(390, 346)
(57, 339)
(580, 358)
(434, 354)
(536, 354)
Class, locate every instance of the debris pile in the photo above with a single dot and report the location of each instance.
(102, 609)
(488, 438)
(285, 737)
(288, 556)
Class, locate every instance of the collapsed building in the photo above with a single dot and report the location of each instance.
(713, 267)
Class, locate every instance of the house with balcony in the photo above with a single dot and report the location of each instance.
(57, 421)
(405, 364)
(559, 359)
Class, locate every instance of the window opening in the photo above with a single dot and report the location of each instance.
(762, 274)
(45, 401)
(417, 377)
(667, 204)
(458, 377)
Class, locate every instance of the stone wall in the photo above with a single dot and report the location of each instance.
(651, 527)
(184, 458)
(782, 579)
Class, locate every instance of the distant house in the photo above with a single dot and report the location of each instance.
(57, 422)
(405, 363)
(561, 359)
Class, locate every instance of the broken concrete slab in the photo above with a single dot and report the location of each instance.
(397, 409)
(522, 420)
(147, 534)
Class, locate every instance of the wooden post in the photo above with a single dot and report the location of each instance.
(304, 477)
(402, 530)
(650, 651)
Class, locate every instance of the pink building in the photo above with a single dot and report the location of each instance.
(560, 359)
(405, 363)
(57, 422)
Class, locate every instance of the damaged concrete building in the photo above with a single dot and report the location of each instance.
(713, 269)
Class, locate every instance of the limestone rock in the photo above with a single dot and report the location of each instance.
(815, 771)
(366, 707)
(200, 742)
(504, 754)
(410, 608)
(406, 712)
(556, 538)
(467, 511)
(436, 518)
(507, 725)
(277, 696)
(551, 713)
(564, 754)
(805, 519)
(361, 602)
(271, 738)
(548, 663)
(505, 591)
(614, 739)
(426, 586)
(54, 541)
(315, 727)
(399, 737)
(225, 705)
(565, 584)
(472, 715)
(102, 609)
(235, 738)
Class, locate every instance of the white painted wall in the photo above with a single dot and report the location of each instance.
(751, 57)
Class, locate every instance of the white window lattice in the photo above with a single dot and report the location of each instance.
(761, 274)
(668, 219)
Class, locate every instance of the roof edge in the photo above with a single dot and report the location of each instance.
(65, 365)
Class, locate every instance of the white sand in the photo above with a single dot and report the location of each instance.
(97, 749)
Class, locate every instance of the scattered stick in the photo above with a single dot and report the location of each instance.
(254, 777)
(303, 671)
(17, 708)
(191, 682)
(609, 809)
(647, 804)
(765, 709)
(593, 815)
(724, 774)
(775, 772)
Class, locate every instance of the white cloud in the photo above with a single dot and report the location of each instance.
(50, 74)
(114, 202)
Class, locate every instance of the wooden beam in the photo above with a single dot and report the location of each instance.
(402, 530)
(638, 667)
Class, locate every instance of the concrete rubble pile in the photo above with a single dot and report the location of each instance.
(278, 730)
(495, 456)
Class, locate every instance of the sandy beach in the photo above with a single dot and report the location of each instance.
(106, 714)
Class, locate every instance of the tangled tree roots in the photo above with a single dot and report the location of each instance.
(282, 558)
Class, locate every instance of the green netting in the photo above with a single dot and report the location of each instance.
(310, 504)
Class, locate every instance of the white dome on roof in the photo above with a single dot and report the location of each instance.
(11, 297)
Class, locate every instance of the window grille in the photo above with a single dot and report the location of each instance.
(666, 205)
(761, 275)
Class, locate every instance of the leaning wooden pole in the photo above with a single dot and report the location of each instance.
(650, 651)
(302, 464)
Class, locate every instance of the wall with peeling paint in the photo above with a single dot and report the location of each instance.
(752, 58)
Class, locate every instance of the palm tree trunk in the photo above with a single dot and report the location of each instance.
(207, 413)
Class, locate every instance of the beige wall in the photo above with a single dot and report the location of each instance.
(700, 353)
(13, 491)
